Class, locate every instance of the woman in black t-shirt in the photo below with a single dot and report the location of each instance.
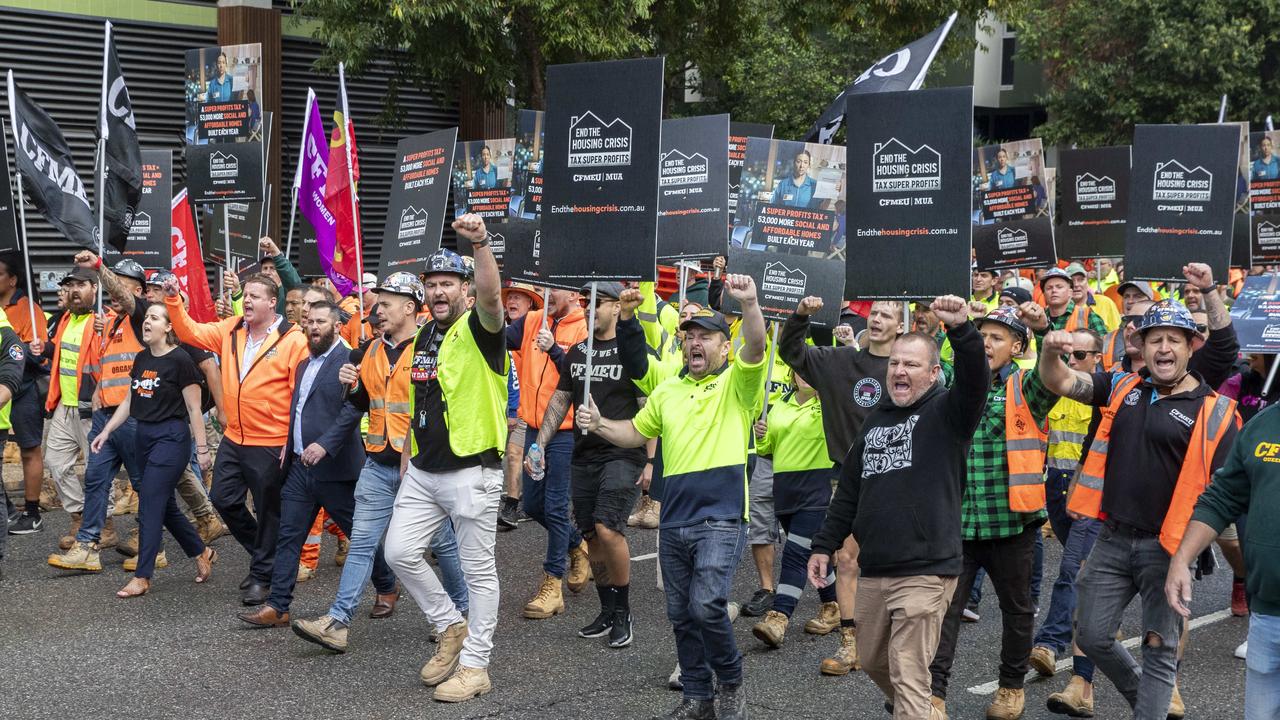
(164, 399)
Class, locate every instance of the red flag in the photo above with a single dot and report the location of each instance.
(188, 264)
(338, 198)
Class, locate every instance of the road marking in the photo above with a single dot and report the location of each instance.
(646, 556)
(1130, 643)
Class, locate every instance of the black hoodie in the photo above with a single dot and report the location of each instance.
(901, 484)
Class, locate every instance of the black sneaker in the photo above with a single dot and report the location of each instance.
(731, 703)
(508, 514)
(26, 524)
(690, 709)
(598, 627)
(759, 604)
(620, 631)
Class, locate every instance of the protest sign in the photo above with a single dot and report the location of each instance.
(1255, 315)
(1264, 195)
(738, 134)
(150, 235)
(1095, 201)
(1012, 224)
(693, 179)
(481, 177)
(416, 206)
(1181, 200)
(526, 185)
(909, 171)
(600, 212)
(224, 120)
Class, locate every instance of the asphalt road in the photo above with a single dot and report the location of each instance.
(70, 648)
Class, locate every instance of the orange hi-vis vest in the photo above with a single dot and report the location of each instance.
(1079, 319)
(117, 360)
(87, 362)
(1211, 423)
(388, 388)
(538, 375)
(1113, 349)
(1025, 446)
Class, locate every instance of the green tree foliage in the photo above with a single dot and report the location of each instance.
(1111, 65)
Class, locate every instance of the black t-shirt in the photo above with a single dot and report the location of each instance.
(158, 383)
(1148, 443)
(614, 394)
(434, 452)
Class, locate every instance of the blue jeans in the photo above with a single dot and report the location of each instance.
(101, 468)
(1077, 538)
(375, 498)
(547, 500)
(1262, 682)
(698, 563)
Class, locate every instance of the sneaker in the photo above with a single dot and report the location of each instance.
(466, 683)
(1044, 661)
(305, 573)
(80, 556)
(131, 564)
(690, 709)
(846, 658)
(26, 523)
(1008, 705)
(1239, 603)
(970, 614)
(579, 568)
(323, 631)
(759, 604)
(620, 629)
(548, 602)
(772, 629)
(1076, 700)
(826, 621)
(508, 513)
(445, 661)
(673, 680)
(600, 626)
(344, 547)
(1242, 650)
(731, 702)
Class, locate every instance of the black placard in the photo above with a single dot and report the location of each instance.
(911, 196)
(419, 193)
(526, 168)
(1255, 315)
(150, 239)
(243, 229)
(600, 209)
(1095, 201)
(481, 178)
(738, 134)
(1013, 225)
(1242, 220)
(1264, 192)
(1181, 199)
(220, 122)
(693, 181)
(9, 240)
(224, 172)
(522, 254)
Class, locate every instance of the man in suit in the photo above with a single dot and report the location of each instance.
(322, 459)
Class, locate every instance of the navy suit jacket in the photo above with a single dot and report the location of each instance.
(329, 420)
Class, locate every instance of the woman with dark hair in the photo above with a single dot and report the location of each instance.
(165, 400)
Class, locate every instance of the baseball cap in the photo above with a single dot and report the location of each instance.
(1054, 273)
(523, 289)
(708, 319)
(369, 281)
(1076, 268)
(1142, 286)
(611, 290)
(1016, 294)
(80, 273)
(1018, 281)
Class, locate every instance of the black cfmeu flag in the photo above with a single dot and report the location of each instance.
(47, 172)
(902, 69)
(123, 160)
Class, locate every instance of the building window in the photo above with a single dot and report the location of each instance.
(1008, 46)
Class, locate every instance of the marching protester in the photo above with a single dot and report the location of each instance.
(908, 581)
(259, 354)
(849, 382)
(452, 471)
(1175, 430)
(27, 412)
(705, 436)
(518, 299)
(13, 360)
(380, 386)
(1061, 311)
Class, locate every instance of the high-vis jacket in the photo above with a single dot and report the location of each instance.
(474, 396)
(1024, 449)
(86, 348)
(258, 407)
(117, 360)
(1217, 413)
(389, 397)
(1068, 426)
(5, 422)
(1079, 319)
(659, 321)
(1113, 349)
(538, 373)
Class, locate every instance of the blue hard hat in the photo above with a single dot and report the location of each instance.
(448, 261)
(1169, 314)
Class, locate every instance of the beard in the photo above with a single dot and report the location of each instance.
(318, 344)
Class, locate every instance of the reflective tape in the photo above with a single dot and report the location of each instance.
(116, 382)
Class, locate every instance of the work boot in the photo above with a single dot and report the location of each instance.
(690, 709)
(1239, 603)
(509, 513)
(646, 516)
(1044, 661)
(131, 564)
(210, 527)
(80, 556)
(826, 621)
(1177, 710)
(1076, 700)
(759, 604)
(108, 538)
(548, 602)
(66, 541)
(939, 707)
(305, 573)
(126, 503)
(772, 629)
(49, 497)
(846, 658)
(323, 631)
(1008, 704)
(731, 702)
(442, 664)
(344, 547)
(129, 547)
(466, 683)
(633, 520)
(579, 568)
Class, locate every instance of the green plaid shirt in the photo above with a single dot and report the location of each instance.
(984, 511)
(1096, 323)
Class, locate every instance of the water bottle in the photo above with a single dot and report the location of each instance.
(536, 462)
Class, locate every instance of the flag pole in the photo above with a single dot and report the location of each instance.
(22, 220)
(102, 153)
(591, 342)
(351, 181)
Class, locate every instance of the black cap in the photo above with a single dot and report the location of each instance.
(1016, 294)
(80, 273)
(611, 290)
(708, 319)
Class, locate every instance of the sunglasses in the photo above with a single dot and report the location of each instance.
(1083, 354)
(1126, 319)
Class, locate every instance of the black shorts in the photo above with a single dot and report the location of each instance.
(604, 493)
(27, 417)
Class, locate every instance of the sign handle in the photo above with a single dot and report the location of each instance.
(293, 213)
(226, 236)
(1271, 376)
(546, 302)
(768, 371)
(591, 343)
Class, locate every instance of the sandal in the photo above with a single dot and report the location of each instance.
(204, 564)
(137, 587)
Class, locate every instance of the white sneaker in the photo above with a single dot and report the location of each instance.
(970, 616)
(673, 681)
(1241, 650)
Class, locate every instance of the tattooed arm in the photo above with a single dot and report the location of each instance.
(557, 409)
(1056, 375)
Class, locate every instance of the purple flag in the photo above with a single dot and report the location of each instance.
(313, 171)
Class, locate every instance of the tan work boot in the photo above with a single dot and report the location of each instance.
(344, 547)
(131, 564)
(210, 527)
(466, 683)
(49, 496)
(772, 629)
(305, 573)
(127, 503)
(1076, 700)
(442, 664)
(1043, 661)
(846, 658)
(939, 708)
(548, 602)
(323, 631)
(579, 568)
(1177, 710)
(108, 538)
(129, 547)
(80, 556)
(1008, 704)
(826, 621)
(645, 516)
(66, 541)
(633, 520)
